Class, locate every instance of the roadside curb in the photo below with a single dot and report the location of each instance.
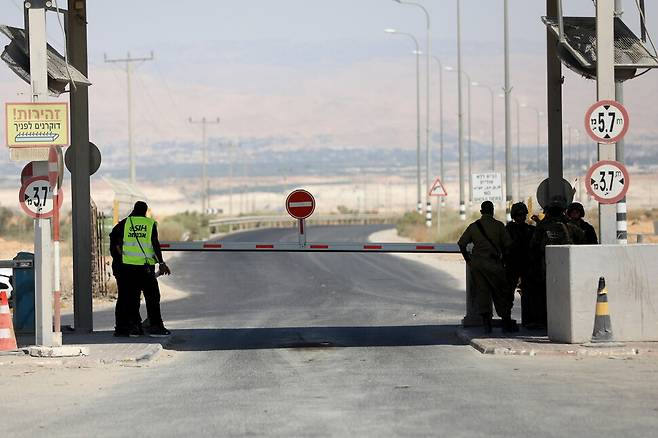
(530, 344)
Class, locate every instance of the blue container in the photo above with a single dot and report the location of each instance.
(24, 295)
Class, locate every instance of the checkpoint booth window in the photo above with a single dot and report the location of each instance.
(577, 47)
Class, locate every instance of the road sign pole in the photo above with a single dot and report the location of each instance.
(42, 247)
(605, 78)
(622, 225)
(302, 232)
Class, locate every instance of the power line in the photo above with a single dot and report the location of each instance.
(128, 61)
(205, 204)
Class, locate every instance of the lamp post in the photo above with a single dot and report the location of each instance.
(419, 205)
(441, 159)
(493, 135)
(460, 115)
(538, 114)
(518, 147)
(470, 159)
(428, 202)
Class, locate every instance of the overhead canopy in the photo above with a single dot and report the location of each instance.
(17, 58)
(578, 50)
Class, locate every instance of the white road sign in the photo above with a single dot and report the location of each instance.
(606, 121)
(487, 187)
(607, 181)
(36, 197)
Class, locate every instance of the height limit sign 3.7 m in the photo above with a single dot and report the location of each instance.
(607, 121)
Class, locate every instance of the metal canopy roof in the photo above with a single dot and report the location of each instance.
(578, 51)
(16, 57)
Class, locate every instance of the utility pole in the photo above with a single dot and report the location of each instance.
(76, 47)
(128, 61)
(554, 108)
(508, 118)
(205, 204)
(231, 153)
(43, 311)
(460, 116)
(622, 224)
(605, 80)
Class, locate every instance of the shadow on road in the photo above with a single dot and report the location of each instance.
(311, 337)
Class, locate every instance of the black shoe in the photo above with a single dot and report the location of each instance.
(159, 332)
(136, 332)
(121, 334)
(510, 326)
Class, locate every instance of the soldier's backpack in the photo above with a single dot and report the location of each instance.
(556, 233)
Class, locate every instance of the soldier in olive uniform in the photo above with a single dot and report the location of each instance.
(518, 262)
(552, 230)
(490, 244)
(575, 214)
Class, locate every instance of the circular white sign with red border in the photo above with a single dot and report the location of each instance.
(300, 204)
(607, 121)
(607, 181)
(36, 198)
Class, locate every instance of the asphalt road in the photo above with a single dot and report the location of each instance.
(340, 345)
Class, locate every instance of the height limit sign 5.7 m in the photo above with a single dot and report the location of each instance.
(607, 121)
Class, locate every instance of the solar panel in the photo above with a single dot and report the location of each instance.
(578, 51)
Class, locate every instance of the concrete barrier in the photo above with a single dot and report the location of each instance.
(631, 274)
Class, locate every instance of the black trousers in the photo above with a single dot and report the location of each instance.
(132, 281)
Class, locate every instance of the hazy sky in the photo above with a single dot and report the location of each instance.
(308, 69)
(118, 24)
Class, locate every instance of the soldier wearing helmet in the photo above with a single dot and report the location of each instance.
(518, 261)
(576, 213)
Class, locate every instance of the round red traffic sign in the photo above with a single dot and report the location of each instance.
(300, 204)
(607, 181)
(36, 198)
(607, 121)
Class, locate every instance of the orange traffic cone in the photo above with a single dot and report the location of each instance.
(7, 337)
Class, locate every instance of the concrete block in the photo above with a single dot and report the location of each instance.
(631, 274)
(62, 351)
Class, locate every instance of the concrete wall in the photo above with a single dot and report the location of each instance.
(631, 274)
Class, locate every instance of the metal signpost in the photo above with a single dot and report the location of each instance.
(607, 181)
(300, 204)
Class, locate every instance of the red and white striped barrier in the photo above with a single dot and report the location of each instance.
(311, 247)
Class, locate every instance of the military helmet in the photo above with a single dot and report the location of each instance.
(576, 206)
(518, 209)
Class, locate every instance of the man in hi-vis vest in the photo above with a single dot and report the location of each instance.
(135, 251)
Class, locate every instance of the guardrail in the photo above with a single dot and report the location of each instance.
(285, 221)
(219, 246)
(16, 264)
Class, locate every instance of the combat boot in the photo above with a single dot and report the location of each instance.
(510, 325)
(486, 323)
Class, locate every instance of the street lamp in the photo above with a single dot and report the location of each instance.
(493, 135)
(470, 155)
(419, 204)
(441, 168)
(428, 209)
(539, 114)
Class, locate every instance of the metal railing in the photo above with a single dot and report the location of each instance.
(16, 264)
(284, 221)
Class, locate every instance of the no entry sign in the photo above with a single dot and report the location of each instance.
(300, 204)
(607, 181)
(606, 121)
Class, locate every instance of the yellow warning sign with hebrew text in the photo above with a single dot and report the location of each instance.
(37, 124)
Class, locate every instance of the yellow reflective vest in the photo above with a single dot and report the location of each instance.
(137, 248)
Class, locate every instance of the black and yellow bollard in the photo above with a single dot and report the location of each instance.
(602, 325)
(602, 334)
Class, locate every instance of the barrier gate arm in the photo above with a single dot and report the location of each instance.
(429, 248)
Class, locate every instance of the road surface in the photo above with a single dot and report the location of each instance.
(332, 345)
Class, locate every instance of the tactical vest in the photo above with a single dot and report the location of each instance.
(137, 248)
